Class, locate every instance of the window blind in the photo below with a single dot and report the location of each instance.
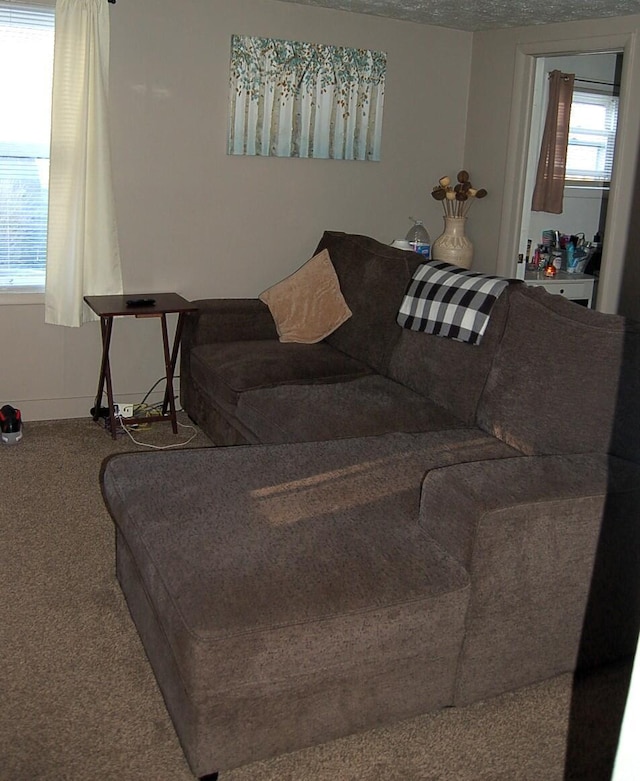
(592, 135)
(26, 68)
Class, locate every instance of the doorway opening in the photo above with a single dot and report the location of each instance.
(622, 196)
(590, 156)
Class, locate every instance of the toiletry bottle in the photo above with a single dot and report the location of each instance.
(536, 258)
(570, 252)
(544, 257)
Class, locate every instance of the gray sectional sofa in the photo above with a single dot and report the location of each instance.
(397, 522)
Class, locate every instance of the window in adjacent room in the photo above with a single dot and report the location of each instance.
(26, 70)
(592, 137)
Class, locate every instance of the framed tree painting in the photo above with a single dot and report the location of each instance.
(294, 99)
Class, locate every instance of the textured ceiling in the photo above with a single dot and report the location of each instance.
(475, 15)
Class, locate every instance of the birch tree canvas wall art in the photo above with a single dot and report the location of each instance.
(295, 99)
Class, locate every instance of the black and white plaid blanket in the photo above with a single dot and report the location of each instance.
(448, 300)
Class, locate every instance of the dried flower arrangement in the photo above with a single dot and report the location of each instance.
(457, 199)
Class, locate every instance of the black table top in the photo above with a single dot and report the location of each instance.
(114, 306)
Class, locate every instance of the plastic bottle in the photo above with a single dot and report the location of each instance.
(544, 257)
(419, 239)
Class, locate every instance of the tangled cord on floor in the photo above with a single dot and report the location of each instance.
(144, 410)
(126, 428)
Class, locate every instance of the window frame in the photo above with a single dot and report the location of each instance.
(581, 178)
(29, 293)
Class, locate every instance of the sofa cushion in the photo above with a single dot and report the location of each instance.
(564, 379)
(272, 585)
(361, 407)
(227, 369)
(373, 278)
(553, 547)
(308, 305)
(449, 372)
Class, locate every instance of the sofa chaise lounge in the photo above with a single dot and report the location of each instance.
(396, 521)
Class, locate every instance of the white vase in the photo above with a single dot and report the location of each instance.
(452, 246)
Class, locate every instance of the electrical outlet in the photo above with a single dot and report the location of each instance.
(123, 410)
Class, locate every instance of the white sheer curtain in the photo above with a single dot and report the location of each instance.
(83, 256)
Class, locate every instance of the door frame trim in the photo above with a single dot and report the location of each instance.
(626, 155)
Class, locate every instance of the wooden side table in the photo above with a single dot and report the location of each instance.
(108, 307)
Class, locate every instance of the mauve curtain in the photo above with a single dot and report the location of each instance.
(83, 257)
(549, 189)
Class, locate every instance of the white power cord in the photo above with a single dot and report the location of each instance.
(157, 447)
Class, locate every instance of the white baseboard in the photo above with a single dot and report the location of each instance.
(80, 407)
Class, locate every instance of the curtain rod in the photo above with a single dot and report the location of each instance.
(582, 81)
(565, 76)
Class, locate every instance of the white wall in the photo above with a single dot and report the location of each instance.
(501, 86)
(201, 223)
(580, 214)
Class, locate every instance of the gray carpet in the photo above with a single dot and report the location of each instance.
(78, 699)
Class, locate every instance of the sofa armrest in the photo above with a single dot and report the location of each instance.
(457, 499)
(222, 320)
(552, 547)
(228, 320)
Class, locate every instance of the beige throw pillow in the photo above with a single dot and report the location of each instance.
(308, 305)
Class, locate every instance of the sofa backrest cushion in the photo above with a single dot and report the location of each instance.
(450, 372)
(564, 379)
(373, 278)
